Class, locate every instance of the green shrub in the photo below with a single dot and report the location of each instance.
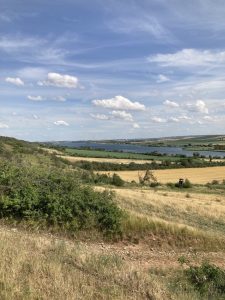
(207, 279)
(117, 180)
(55, 197)
(187, 184)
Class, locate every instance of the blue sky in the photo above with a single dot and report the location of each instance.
(97, 69)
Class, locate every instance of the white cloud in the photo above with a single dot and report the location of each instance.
(162, 78)
(3, 126)
(59, 80)
(158, 120)
(173, 119)
(189, 57)
(199, 106)
(136, 125)
(35, 98)
(15, 80)
(41, 98)
(100, 117)
(171, 103)
(184, 117)
(59, 98)
(61, 123)
(123, 115)
(119, 102)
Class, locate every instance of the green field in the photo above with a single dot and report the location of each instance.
(194, 143)
(109, 154)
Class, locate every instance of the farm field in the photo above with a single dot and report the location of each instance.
(116, 155)
(195, 175)
(108, 160)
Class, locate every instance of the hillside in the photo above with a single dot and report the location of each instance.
(97, 237)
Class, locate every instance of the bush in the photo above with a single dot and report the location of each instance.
(187, 184)
(55, 197)
(207, 279)
(117, 180)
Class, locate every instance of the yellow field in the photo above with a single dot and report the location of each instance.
(108, 160)
(195, 175)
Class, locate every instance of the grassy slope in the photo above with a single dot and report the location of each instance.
(163, 225)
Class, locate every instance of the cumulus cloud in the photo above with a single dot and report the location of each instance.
(15, 80)
(158, 120)
(3, 126)
(189, 57)
(59, 80)
(120, 103)
(136, 125)
(100, 117)
(35, 98)
(61, 123)
(199, 106)
(123, 115)
(162, 78)
(171, 103)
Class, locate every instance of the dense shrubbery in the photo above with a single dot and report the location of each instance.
(207, 279)
(96, 178)
(167, 164)
(54, 197)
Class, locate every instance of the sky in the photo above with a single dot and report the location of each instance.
(111, 69)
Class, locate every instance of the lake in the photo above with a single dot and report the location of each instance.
(137, 148)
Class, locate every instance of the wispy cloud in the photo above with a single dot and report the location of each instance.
(189, 57)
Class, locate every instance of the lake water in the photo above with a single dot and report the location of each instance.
(139, 149)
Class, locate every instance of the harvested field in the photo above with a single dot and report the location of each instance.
(108, 160)
(195, 175)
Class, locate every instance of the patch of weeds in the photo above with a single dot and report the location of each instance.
(207, 280)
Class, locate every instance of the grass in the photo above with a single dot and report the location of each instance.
(195, 175)
(41, 267)
(117, 155)
(161, 225)
(172, 213)
(44, 267)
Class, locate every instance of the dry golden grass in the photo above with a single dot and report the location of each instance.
(196, 210)
(43, 267)
(38, 266)
(195, 175)
(108, 160)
